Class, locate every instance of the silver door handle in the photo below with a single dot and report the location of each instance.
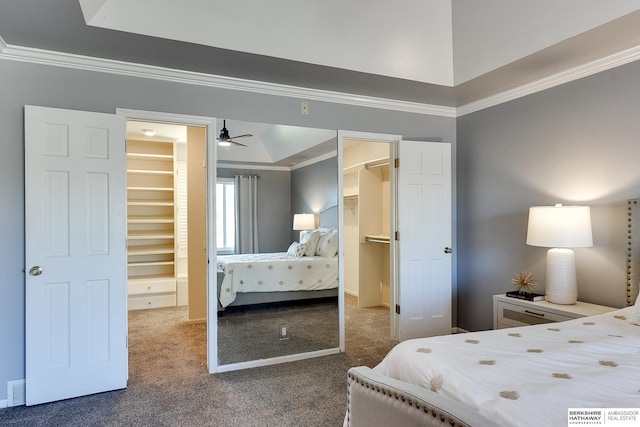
(35, 270)
(448, 250)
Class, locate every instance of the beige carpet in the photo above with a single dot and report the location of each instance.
(169, 384)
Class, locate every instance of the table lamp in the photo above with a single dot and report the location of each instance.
(560, 228)
(304, 222)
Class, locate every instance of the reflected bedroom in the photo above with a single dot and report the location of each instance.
(276, 236)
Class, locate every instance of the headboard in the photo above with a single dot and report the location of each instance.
(633, 250)
(329, 217)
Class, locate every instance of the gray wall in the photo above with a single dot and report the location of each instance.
(24, 83)
(314, 189)
(274, 207)
(577, 143)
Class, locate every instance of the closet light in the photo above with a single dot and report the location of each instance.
(149, 132)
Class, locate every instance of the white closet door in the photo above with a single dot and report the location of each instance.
(76, 278)
(424, 222)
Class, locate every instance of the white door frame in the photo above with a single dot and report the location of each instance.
(394, 141)
(210, 124)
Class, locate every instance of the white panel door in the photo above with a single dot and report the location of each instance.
(75, 237)
(424, 223)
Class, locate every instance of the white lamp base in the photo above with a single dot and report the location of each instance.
(561, 286)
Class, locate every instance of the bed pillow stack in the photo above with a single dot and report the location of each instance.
(328, 243)
(311, 241)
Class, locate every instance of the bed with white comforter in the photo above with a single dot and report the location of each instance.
(526, 376)
(275, 272)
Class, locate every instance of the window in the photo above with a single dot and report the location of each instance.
(225, 215)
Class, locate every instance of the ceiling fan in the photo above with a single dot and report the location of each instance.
(224, 140)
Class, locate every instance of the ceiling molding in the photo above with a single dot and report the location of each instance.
(265, 167)
(575, 73)
(80, 62)
(314, 160)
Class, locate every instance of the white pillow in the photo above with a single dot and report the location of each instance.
(297, 249)
(328, 244)
(323, 230)
(311, 240)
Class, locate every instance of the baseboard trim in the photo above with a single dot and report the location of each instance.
(352, 293)
(3, 404)
(456, 330)
(190, 321)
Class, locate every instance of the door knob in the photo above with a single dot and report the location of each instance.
(35, 271)
(448, 250)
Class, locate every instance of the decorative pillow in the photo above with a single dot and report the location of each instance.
(311, 240)
(324, 230)
(328, 244)
(297, 249)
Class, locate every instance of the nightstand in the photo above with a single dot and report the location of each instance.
(509, 312)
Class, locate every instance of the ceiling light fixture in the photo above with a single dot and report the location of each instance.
(224, 140)
(149, 132)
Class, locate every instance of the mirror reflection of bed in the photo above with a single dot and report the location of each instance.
(271, 303)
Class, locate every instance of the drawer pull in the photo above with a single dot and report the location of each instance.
(534, 313)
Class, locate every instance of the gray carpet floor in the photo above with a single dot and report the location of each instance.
(169, 384)
(254, 333)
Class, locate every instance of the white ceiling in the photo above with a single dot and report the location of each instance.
(442, 42)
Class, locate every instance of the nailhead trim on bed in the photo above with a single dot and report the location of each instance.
(384, 391)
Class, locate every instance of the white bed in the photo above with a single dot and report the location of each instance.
(275, 272)
(527, 376)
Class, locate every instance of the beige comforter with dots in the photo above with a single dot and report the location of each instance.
(532, 375)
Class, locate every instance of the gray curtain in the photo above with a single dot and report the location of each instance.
(247, 214)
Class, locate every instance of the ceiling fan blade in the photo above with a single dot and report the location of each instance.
(237, 143)
(241, 136)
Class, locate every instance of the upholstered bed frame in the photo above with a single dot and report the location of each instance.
(377, 400)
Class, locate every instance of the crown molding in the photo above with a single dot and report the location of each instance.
(222, 165)
(80, 62)
(317, 159)
(569, 75)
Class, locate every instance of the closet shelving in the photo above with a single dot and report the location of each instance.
(151, 224)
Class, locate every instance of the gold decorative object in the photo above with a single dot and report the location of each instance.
(524, 281)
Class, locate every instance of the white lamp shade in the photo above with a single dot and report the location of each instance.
(560, 226)
(304, 221)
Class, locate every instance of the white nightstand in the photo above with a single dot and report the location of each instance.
(509, 312)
